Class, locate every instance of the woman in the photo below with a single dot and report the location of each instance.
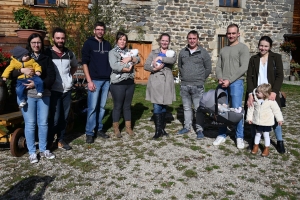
(122, 83)
(37, 108)
(160, 87)
(266, 67)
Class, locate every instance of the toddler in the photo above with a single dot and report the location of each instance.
(261, 115)
(21, 59)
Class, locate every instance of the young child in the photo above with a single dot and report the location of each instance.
(169, 54)
(261, 115)
(21, 59)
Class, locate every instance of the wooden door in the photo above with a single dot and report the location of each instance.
(141, 76)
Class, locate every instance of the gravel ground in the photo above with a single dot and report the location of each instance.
(177, 167)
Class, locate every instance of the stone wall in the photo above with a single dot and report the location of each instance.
(177, 17)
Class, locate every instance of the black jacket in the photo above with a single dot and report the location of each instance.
(275, 78)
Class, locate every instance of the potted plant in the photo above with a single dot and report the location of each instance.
(288, 47)
(29, 22)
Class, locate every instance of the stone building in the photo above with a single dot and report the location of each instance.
(148, 18)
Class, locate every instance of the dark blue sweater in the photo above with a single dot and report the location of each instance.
(95, 55)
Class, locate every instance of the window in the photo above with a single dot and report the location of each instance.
(222, 42)
(229, 3)
(45, 2)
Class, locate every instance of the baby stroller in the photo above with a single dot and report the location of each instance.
(220, 117)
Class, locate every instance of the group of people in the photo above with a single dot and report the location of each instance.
(264, 72)
(47, 102)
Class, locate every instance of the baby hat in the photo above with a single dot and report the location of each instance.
(18, 52)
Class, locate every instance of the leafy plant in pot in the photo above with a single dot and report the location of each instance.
(29, 22)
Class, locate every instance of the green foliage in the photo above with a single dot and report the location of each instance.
(27, 20)
(80, 26)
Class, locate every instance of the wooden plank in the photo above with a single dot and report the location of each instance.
(11, 116)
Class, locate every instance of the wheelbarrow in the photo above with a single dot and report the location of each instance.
(16, 138)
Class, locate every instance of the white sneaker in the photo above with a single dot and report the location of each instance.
(240, 143)
(39, 94)
(22, 104)
(33, 158)
(219, 140)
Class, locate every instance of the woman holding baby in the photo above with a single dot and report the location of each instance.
(122, 82)
(160, 87)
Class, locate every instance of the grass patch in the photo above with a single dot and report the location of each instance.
(190, 173)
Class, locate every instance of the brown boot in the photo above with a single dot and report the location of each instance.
(255, 149)
(128, 128)
(265, 153)
(116, 129)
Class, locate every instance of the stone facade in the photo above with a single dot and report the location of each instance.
(177, 17)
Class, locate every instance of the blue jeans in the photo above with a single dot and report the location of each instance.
(277, 130)
(190, 94)
(236, 90)
(159, 108)
(60, 104)
(20, 87)
(96, 102)
(35, 112)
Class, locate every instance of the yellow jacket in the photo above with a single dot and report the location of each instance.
(15, 64)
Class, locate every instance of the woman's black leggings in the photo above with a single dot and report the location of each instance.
(122, 97)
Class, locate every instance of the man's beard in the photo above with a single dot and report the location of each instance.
(59, 45)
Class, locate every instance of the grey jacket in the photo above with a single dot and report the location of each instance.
(116, 65)
(194, 68)
(160, 86)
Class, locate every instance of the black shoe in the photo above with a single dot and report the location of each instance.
(89, 139)
(102, 134)
(280, 147)
(63, 145)
(158, 126)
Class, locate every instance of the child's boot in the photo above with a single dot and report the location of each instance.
(266, 152)
(255, 149)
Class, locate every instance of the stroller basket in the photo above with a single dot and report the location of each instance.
(209, 105)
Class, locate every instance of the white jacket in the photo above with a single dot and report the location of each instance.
(263, 114)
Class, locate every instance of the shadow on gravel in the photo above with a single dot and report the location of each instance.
(31, 188)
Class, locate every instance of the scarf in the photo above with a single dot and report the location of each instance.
(120, 51)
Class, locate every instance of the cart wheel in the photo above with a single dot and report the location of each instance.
(71, 118)
(18, 143)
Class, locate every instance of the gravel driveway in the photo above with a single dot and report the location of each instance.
(177, 167)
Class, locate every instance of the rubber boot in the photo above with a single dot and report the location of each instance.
(116, 130)
(255, 149)
(158, 126)
(163, 121)
(128, 128)
(265, 153)
(280, 147)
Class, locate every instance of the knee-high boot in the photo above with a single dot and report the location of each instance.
(163, 122)
(158, 125)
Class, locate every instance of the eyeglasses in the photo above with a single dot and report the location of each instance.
(35, 43)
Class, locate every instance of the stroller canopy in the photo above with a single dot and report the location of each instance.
(208, 99)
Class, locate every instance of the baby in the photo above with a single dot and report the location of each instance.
(21, 59)
(132, 52)
(169, 54)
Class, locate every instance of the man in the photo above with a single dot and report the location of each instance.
(97, 72)
(231, 67)
(65, 64)
(194, 64)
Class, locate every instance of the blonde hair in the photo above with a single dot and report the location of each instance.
(265, 89)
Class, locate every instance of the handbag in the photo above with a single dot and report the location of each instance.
(282, 95)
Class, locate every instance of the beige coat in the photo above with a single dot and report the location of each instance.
(263, 114)
(160, 86)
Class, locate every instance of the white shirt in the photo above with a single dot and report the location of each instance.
(262, 75)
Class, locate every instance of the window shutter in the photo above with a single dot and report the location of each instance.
(62, 3)
(28, 2)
